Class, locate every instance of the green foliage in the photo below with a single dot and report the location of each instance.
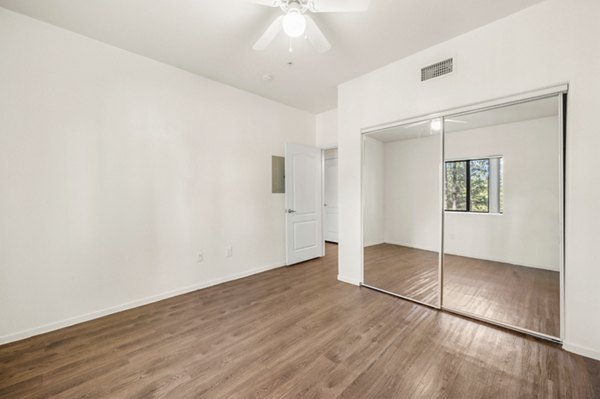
(501, 187)
(456, 186)
(480, 172)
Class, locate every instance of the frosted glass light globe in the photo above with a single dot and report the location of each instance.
(294, 24)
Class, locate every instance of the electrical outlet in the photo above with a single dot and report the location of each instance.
(229, 252)
(200, 257)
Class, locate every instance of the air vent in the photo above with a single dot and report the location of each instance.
(436, 70)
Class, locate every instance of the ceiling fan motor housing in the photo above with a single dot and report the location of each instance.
(300, 6)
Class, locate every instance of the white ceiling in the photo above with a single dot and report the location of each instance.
(214, 38)
(526, 111)
(530, 110)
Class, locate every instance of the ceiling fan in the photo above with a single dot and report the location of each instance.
(295, 21)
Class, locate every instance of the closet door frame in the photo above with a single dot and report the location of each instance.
(559, 91)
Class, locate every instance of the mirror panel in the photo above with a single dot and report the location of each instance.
(502, 215)
(401, 210)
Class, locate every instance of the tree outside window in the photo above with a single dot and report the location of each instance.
(474, 185)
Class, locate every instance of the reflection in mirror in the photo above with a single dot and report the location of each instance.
(401, 208)
(502, 235)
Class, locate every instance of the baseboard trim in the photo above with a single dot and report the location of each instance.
(348, 280)
(523, 264)
(370, 244)
(5, 339)
(581, 350)
(403, 244)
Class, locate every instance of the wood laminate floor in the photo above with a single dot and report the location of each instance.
(521, 296)
(403, 270)
(525, 297)
(294, 332)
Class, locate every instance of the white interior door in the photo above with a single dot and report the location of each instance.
(303, 199)
(331, 200)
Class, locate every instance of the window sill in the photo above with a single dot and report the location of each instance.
(473, 213)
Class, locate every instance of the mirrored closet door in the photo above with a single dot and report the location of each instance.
(503, 215)
(484, 186)
(401, 210)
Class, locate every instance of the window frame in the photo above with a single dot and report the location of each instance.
(467, 162)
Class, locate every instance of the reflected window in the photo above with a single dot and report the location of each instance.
(474, 185)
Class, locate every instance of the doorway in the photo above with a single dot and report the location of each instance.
(330, 195)
(311, 201)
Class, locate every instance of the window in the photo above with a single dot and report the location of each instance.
(474, 185)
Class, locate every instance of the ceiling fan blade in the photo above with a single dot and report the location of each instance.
(416, 124)
(269, 3)
(338, 5)
(315, 36)
(270, 34)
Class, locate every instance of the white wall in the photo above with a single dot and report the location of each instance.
(412, 193)
(331, 153)
(374, 192)
(326, 129)
(116, 171)
(526, 234)
(550, 43)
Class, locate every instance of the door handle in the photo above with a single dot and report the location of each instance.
(290, 211)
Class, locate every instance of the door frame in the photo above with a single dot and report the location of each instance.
(323, 150)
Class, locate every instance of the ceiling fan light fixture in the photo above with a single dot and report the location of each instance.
(436, 125)
(294, 23)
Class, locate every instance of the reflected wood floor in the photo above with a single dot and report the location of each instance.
(403, 270)
(294, 332)
(521, 296)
